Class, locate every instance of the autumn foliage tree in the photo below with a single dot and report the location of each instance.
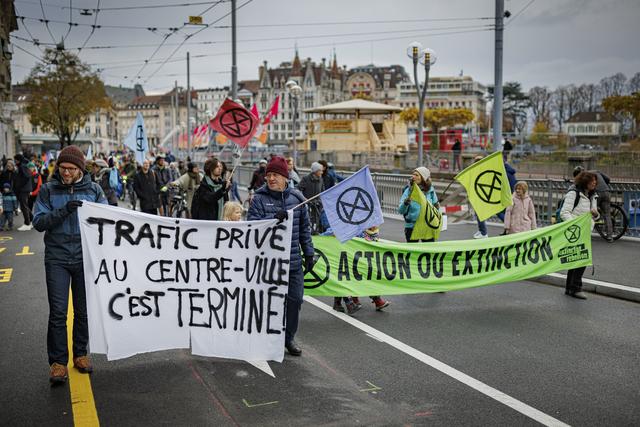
(624, 107)
(64, 92)
(436, 119)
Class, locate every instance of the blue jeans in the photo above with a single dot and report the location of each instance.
(58, 278)
(294, 303)
(482, 227)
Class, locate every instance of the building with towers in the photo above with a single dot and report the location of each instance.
(322, 83)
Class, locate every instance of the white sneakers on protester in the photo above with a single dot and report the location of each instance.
(479, 235)
(25, 227)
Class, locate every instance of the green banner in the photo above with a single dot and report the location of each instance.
(359, 267)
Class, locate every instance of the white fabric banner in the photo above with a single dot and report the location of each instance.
(157, 283)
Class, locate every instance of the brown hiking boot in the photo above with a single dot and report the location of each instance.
(57, 374)
(83, 364)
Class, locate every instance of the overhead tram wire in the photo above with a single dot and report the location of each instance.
(93, 28)
(191, 35)
(70, 24)
(144, 65)
(308, 46)
(79, 24)
(35, 41)
(520, 12)
(46, 22)
(301, 37)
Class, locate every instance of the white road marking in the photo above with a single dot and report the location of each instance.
(483, 388)
(263, 365)
(600, 283)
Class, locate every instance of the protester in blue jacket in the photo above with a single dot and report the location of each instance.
(410, 209)
(273, 201)
(56, 215)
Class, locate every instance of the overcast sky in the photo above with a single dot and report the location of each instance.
(551, 42)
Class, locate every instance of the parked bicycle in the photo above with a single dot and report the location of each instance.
(619, 222)
(177, 202)
(315, 217)
(247, 202)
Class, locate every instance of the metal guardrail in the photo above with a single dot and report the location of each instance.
(546, 193)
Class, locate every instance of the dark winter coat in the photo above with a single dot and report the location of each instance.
(328, 181)
(266, 203)
(62, 229)
(22, 180)
(257, 179)
(147, 189)
(7, 176)
(163, 175)
(311, 185)
(207, 201)
(511, 176)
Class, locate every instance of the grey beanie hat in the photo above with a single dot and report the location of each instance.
(315, 167)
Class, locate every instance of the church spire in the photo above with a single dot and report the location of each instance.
(334, 66)
(296, 67)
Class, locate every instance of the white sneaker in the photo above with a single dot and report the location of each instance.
(25, 227)
(479, 235)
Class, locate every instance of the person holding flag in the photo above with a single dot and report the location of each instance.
(274, 200)
(488, 189)
(414, 200)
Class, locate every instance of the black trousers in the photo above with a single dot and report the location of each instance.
(574, 279)
(23, 198)
(407, 235)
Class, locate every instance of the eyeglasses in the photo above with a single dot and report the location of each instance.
(68, 170)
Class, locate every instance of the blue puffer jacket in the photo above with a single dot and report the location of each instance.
(62, 230)
(266, 203)
(412, 211)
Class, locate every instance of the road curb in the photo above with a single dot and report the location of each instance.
(599, 288)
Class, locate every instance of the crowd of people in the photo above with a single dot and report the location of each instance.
(48, 195)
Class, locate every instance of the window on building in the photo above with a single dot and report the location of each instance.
(98, 131)
(34, 129)
(87, 130)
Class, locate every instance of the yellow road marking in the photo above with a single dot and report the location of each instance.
(25, 251)
(2, 250)
(82, 403)
(5, 274)
(3, 238)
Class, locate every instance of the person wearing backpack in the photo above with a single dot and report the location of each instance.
(584, 189)
(103, 178)
(604, 199)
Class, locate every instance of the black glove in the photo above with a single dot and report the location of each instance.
(281, 216)
(73, 205)
(308, 263)
(407, 201)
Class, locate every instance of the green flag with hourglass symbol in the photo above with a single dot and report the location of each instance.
(487, 186)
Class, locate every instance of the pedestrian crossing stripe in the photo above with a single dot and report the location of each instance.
(5, 274)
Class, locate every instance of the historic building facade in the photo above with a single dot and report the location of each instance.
(321, 84)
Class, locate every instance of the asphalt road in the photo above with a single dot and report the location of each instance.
(572, 361)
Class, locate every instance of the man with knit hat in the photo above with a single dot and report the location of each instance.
(56, 215)
(272, 201)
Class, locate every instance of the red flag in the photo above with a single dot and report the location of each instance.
(254, 110)
(235, 122)
(273, 111)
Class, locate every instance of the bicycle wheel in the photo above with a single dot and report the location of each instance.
(314, 220)
(619, 221)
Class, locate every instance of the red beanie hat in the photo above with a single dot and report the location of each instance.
(278, 165)
(72, 154)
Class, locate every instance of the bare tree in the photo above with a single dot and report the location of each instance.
(633, 85)
(540, 103)
(589, 96)
(560, 105)
(573, 100)
(613, 85)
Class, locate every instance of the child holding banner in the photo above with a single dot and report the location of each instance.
(372, 234)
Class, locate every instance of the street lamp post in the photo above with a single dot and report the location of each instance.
(294, 90)
(426, 57)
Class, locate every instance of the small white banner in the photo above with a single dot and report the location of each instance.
(157, 283)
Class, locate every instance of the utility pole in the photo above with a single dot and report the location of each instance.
(188, 108)
(234, 66)
(497, 82)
